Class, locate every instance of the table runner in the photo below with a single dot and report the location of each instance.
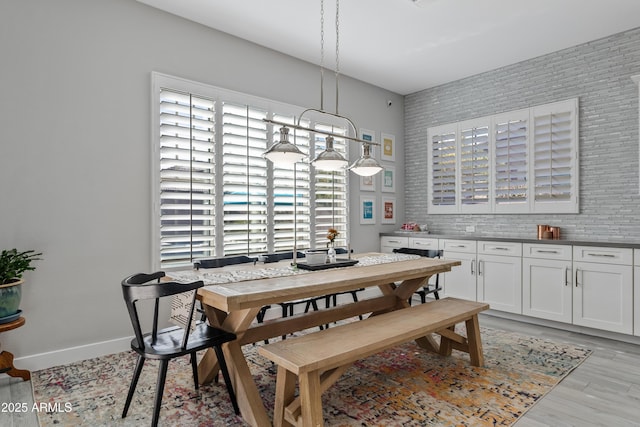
(181, 303)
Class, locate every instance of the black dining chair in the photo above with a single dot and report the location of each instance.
(426, 289)
(169, 343)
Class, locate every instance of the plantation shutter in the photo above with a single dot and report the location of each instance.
(330, 192)
(474, 165)
(290, 211)
(555, 157)
(511, 162)
(244, 175)
(186, 202)
(442, 155)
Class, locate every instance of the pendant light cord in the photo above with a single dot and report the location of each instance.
(337, 49)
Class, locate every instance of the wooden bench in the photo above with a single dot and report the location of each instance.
(317, 360)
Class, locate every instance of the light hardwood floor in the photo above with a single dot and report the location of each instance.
(603, 391)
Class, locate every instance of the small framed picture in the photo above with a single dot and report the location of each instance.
(367, 135)
(389, 179)
(388, 147)
(388, 210)
(367, 210)
(368, 183)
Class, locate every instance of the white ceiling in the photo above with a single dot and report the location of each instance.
(409, 45)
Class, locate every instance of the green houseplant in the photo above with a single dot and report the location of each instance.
(12, 265)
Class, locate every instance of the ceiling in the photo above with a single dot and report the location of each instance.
(409, 45)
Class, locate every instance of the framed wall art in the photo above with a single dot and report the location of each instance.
(368, 183)
(389, 179)
(388, 210)
(388, 147)
(367, 210)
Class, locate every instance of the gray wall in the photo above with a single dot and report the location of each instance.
(75, 148)
(598, 73)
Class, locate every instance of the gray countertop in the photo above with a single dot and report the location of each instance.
(514, 239)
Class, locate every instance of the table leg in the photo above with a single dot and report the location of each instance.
(249, 400)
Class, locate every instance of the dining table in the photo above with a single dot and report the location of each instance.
(233, 297)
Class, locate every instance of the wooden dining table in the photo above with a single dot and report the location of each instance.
(234, 307)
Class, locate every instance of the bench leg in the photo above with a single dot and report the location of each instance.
(285, 394)
(311, 399)
(446, 346)
(475, 343)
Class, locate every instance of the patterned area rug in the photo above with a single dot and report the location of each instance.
(404, 386)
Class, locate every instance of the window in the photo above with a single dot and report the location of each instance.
(523, 161)
(213, 192)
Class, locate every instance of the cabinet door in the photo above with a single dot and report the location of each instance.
(460, 282)
(547, 289)
(603, 296)
(500, 282)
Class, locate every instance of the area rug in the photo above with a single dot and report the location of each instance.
(404, 386)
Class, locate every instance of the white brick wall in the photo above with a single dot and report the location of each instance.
(599, 74)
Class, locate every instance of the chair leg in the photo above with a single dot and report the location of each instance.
(227, 378)
(162, 376)
(194, 368)
(134, 383)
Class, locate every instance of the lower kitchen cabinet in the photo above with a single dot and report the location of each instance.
(603, 288)
(460, 282)
(500, 276)
(547, 290)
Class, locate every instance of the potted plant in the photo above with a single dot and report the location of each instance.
(12, 265)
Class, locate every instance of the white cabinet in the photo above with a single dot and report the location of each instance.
(500, 275)
(460, 282)
(547, 285)
(603, 288)
(389, 243)
(423, 243)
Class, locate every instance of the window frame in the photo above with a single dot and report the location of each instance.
(568, 204)
(219, 95)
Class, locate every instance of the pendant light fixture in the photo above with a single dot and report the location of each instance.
(284, 151)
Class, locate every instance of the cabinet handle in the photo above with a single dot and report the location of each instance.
(602, 255)
(480, 267)
(498, 248)
(546, 252)
(457, 246)
(577, 269)
(566, 276)
(473, 263)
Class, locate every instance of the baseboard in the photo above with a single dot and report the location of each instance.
(65, 356)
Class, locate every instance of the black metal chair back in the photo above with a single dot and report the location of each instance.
(168, 343)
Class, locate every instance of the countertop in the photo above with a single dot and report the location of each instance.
(467, 236)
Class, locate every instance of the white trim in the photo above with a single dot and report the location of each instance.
(65, 356)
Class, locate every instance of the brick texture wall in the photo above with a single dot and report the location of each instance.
(599, 74)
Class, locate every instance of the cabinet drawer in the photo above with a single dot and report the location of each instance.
(423, 243)
(532, 250)
(394, 241)
(500, 248)
(466, 246)
(603, 255)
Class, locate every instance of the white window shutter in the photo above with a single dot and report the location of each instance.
(442, 161)
(244, 175)
(331, 196)
(554, 151)
(475, 165)
(186, 184)
(290, 211)
(511, 162)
